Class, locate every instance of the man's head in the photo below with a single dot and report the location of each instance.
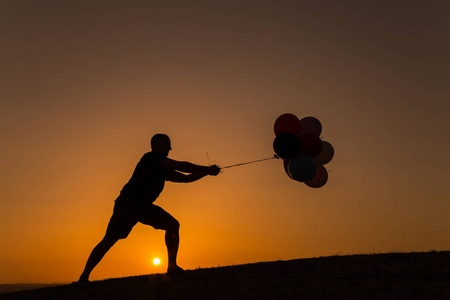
(161, 144)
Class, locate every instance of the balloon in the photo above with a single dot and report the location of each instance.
(286, 166)
(302, 168)
(326, 155)
(310, 144)
(287, 123)
(310, 125)
(319, 179)
(286, 145)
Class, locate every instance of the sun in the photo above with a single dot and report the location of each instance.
(156, 261)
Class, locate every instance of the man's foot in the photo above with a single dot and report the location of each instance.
(81, 282)
(174, 270)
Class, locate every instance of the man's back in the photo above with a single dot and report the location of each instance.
(148, 179)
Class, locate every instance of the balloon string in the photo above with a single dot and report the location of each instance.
(250, 162)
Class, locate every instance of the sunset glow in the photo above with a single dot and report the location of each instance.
(86, 85)
(156, 261)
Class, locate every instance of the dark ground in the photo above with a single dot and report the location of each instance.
(373, 276)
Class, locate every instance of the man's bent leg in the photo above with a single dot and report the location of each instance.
(158, 218)
(172, 239)
(96, 256)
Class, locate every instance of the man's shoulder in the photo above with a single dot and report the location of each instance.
(153, 157)
(148, 154)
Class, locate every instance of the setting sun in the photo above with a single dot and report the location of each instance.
(156, 261)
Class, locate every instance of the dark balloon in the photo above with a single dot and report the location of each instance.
(319, 179)
(326, 155)
(286, 145)
(310, 125)
(287, 123)
(302, 168)
(286, 166)
(310, 144)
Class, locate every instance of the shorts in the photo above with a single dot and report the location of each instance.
(127, 214)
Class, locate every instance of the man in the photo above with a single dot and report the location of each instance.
(135, 202)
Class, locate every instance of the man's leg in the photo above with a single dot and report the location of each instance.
(172, 239)
(96, 256)
(158, 218)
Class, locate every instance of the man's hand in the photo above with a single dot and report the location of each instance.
(214, 170)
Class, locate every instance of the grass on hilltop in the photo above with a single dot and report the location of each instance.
(424, 275)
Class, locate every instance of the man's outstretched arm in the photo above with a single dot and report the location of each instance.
(187, 167)
(185, 178)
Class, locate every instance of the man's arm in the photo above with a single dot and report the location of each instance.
(187, 167)
(180, 177)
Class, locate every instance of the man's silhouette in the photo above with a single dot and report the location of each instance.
(135, 202)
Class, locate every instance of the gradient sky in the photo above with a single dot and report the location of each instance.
(85, 84)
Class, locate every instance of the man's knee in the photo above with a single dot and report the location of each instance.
(172, 226)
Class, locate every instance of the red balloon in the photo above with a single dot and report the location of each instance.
(310, 125)
(287, 123)
(310, 144)
(319, 179)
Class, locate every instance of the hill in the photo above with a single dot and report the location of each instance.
(8, 288)
(372, 276)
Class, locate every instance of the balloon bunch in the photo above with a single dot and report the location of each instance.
(304, 154)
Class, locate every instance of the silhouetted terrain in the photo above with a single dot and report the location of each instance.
(7, 288)
(377, 276)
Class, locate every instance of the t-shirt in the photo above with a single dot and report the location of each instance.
(147, 181)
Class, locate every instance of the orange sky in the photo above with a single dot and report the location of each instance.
(84, 87)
